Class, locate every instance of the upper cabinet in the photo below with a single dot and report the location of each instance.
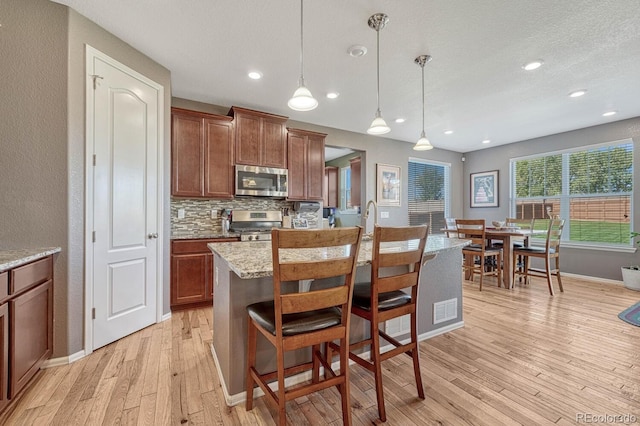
(260, 138)
(356, 181)
(201, 154)
(306, 165)
(330, 189)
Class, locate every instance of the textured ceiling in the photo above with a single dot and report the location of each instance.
(474, 85)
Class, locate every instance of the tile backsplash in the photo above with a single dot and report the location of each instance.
(197, 212)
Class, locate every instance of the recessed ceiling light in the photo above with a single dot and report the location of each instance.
(255, 75)
(448, 132)
(400, 120)
(357, 50)
(533, 65)
(609, 113)
(577, 93)
(333, 95)
(486, 141)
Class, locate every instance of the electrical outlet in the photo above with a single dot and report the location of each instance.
(214, 214)
(384, 215)
(180, 213)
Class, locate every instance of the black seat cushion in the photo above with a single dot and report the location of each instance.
(535, 250)
(389, 300)
(264, 314)
(476, 248)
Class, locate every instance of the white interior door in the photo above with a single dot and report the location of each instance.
(124, 116)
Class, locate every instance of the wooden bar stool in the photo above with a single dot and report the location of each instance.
(474, 229)
(397, 258)
(301, 320)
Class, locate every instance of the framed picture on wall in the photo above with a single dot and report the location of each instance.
(484, 189)
(388, 184)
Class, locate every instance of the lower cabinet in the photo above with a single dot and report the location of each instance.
(26, 324)
(192, 271)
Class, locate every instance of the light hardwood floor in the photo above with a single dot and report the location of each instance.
(523, 357)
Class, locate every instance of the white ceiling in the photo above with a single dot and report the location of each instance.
(474, 85)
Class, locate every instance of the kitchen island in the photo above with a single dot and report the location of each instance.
(242, 276)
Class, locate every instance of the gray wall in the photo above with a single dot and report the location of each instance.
(596, 263)
(33, 134)
(43, 144)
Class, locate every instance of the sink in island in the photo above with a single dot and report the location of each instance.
(242, 276)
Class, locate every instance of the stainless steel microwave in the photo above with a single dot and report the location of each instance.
(261, 181)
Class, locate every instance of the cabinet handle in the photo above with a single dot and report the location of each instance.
(154, 235)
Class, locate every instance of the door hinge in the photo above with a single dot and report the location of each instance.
(94, 236)
(93, 313)
(94, 159)
(95, 77)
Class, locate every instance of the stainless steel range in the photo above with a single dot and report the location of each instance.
(255, 225)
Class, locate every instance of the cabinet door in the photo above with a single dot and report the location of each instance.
(4, 355)
(189, 273)
(248, 139)
(297, 175)
(187, 164)
(315, 167)
(355, 181)
(274, 144)
(31, 331)
(218, 178)
(330, 186)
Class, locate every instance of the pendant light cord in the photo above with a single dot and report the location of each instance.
(301, 42)
(378, 68)
(422, 66)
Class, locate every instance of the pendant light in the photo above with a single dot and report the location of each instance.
(378, 126)
(423, 143)
(302, 99)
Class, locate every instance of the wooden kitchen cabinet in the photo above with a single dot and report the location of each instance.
(356, 166)
(26, 324)
(306, 164)
(260, 138)
(330, 189)
(4, 355)
(192, 272)
(202, 149)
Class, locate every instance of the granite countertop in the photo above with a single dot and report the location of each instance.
(191, 235)
(12, 258)
(252, 259)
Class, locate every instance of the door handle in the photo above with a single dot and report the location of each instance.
(152, 236)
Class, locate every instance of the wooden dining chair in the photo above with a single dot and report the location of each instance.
(297, 320)
(397, 258)
(450, 227)
(480, 250)
(551, 250)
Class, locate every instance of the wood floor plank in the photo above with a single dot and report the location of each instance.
(523, 357)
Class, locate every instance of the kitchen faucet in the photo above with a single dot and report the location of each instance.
(375, 211)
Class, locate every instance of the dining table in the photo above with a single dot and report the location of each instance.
(508, 236)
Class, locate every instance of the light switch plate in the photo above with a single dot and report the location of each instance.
(384, 215)
(180, 213)
(214, 214)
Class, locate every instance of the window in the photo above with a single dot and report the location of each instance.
(428, 193)
(590, 187)
(345, 188)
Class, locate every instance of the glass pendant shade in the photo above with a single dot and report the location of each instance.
(423, 143)
(378, 125)
(302, 100)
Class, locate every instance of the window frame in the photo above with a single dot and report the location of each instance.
(446, 185)
(565, 196)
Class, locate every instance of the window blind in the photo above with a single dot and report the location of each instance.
(428, 193)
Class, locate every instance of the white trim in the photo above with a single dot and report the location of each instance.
(90, 54)
(64, 360)
(592, 279)
(574, 149)
(428, 161)
(166, 317)
(241, 397)
(599, 247)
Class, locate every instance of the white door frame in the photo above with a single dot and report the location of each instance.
(90, 54)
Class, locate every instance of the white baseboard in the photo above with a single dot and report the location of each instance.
(166, 316)
(592, 279)
(64, 360)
